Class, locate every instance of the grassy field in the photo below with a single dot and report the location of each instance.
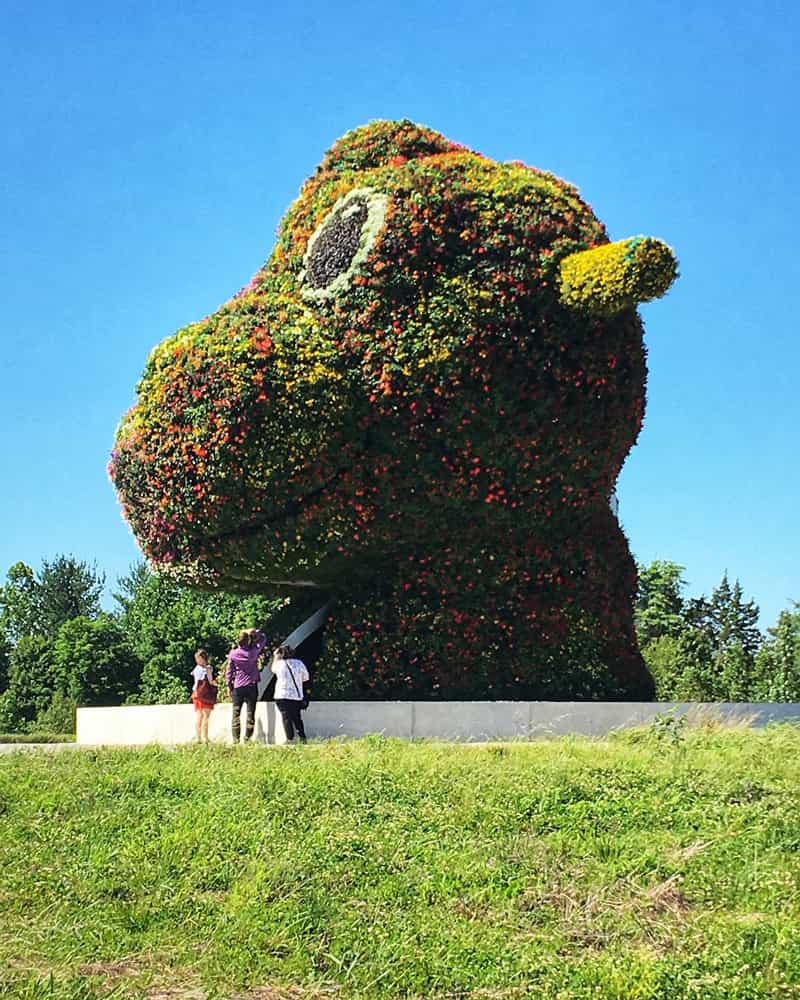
(660, 864)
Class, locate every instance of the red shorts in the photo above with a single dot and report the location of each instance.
(200, 705)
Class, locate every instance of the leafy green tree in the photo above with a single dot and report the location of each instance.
(5, 656)
(663, 657)
(93, 662)
(778, 661)
(30, 681)
(692, 672)
(165, 623)
(57, 717)
(700, 649)
(10, 717)
(33, 606)
(19, 603)
(661, 628)
(735, 674)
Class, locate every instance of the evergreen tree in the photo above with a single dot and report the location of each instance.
(727, 633)
(659, 601)
(68, 588)
(727, 619)
(39, 603)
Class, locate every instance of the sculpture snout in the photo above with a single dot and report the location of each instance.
(615, 276)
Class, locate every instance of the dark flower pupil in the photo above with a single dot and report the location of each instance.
(335, 247)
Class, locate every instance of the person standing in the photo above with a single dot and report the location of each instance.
(290, 675)
(204, 694)
(241, 677)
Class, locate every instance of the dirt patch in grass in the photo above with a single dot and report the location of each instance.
(122, 969)
(284, 993)
(681, 854)
(589, 916)
(512, 993)
(664, 897)
(175, 993)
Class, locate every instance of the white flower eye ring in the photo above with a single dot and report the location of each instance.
(342, 242)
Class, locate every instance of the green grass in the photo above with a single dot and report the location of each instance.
(648, 866)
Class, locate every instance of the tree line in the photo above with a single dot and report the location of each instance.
(710, 648)
(59, 648)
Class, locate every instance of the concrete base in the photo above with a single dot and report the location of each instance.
(463, 721)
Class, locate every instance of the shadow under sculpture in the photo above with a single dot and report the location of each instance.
(418, 408)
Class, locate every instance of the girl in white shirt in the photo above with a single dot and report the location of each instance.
(204, 695)
(290, 675)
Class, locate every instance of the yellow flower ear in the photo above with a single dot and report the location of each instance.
(616, 276)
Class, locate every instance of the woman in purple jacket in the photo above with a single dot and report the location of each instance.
(241, 677)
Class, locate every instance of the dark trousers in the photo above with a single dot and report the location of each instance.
(246, 695)
(290, 713)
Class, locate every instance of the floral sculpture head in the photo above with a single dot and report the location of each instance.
(420, 404)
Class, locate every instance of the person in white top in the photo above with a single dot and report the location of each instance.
(204, 694)
(290, 675)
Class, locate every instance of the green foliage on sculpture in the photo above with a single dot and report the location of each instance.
(405, 408)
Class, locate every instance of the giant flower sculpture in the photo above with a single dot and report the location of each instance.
(420, 406)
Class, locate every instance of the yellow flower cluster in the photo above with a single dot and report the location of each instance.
(304, 359)
(616, 276)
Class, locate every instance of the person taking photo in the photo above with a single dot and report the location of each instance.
(241, 678)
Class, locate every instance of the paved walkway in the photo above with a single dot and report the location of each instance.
(11, 747)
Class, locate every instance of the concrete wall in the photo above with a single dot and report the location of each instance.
(465, 721)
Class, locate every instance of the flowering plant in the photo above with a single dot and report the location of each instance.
(420, 404)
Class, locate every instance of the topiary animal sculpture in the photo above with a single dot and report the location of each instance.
(419, 405)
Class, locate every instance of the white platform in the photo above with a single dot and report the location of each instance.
(464, 721)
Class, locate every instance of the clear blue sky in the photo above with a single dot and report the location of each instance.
(150, 149)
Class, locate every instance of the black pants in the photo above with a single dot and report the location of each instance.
(290, 713)
(246, 695)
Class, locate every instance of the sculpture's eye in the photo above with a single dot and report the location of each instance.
(342, 242)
